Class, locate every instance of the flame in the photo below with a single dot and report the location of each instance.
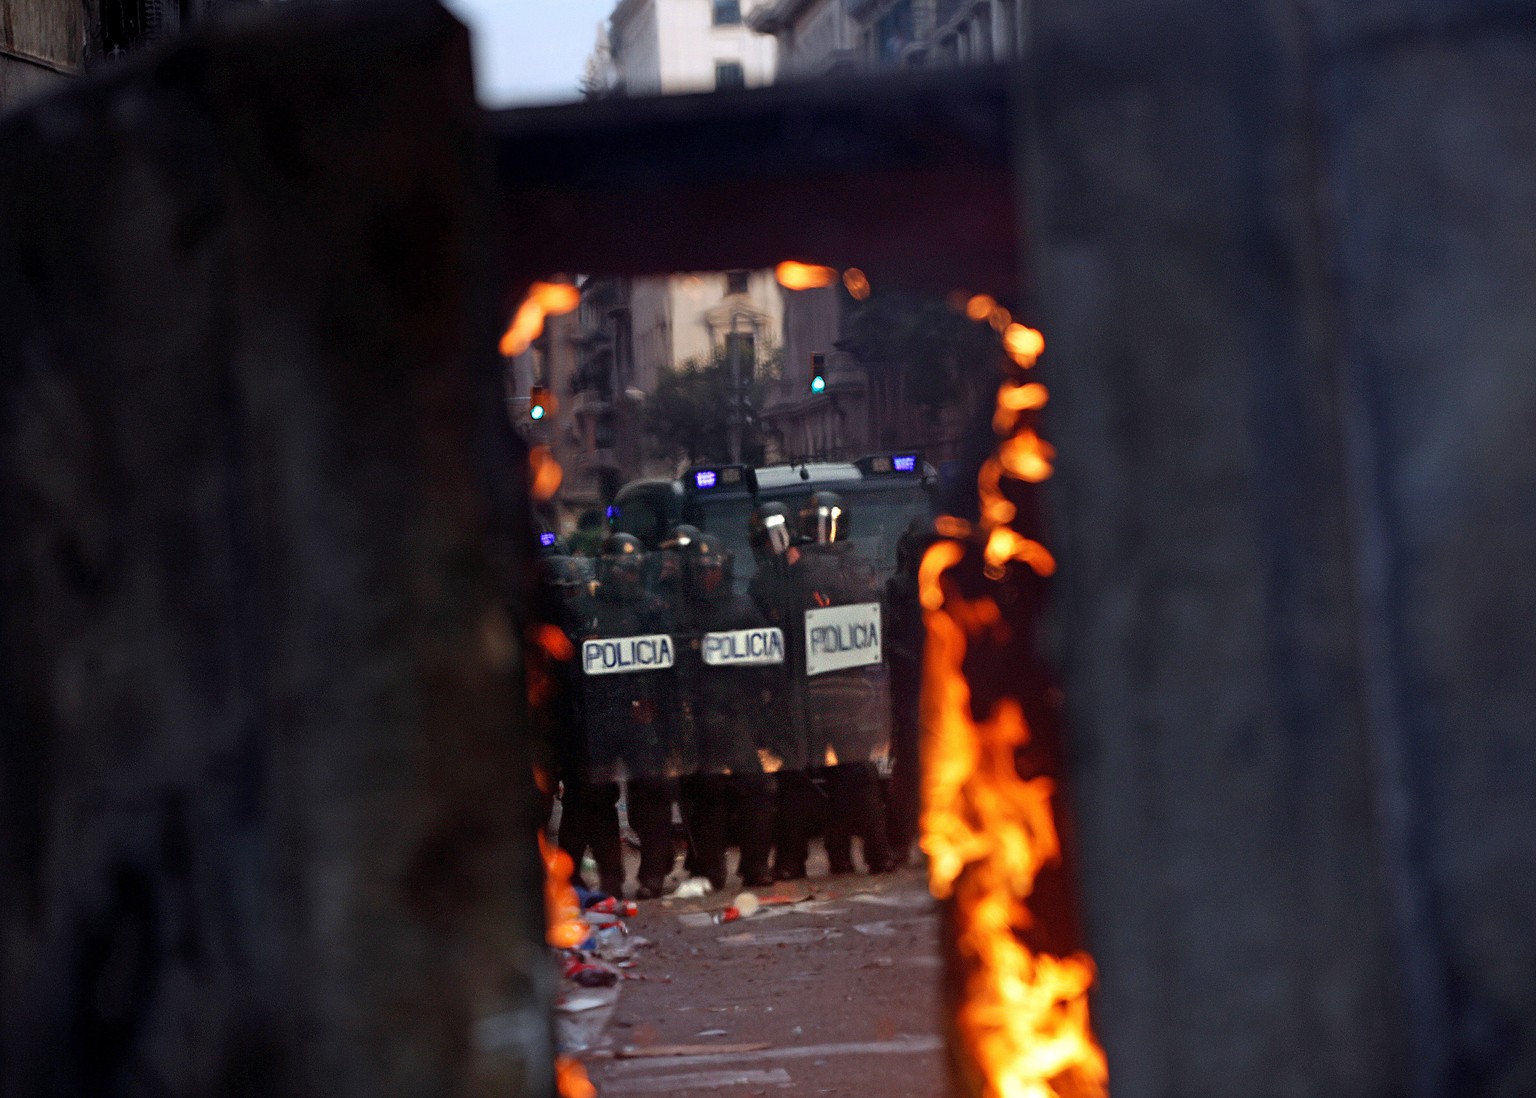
(831, 758)
(1015, 399)
(856, 282)
(571, 1078)
(772, 764)
(546, 643)
(803, 276)
(1027, 457)
(1000, 319)
(544, 299)
(555, 298)
(567, 929)
(988, 832)
(948, 526)
(980, 306)
(1023, 344)
(544, 473)
(553, 642)
(1006, 544)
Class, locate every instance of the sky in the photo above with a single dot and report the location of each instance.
(531, 51)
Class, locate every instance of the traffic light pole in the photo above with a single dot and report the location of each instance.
(734, 351)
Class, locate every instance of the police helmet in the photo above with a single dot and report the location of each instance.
(708, 567)
(770, 531)
(680, 536)
(621, 567)
(824, 519)
(560, 571)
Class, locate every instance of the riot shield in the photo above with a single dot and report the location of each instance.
(733, 679)
(847, 684)
(634, 722)
(784, 740)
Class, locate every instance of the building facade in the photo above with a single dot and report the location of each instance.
(42, 44)
(864, 406)
(45, 42)
(814, 37)
(628, 332)
(664, 47)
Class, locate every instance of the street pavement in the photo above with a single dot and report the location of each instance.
(836, 994)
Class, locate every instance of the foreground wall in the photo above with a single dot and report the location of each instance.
(266, 818)
(42, 44)
(1285, 259)
(265, 814)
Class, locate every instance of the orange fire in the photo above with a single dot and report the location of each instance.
(1013, 400)
(793, 275)
(545, 299)
(548, 645)
(856, 282)
(571, 1078)
(988, 833)
(1023, 344)
(566, 930)
(947, 526)
(1026, 456)
(980, 306)
(544, 473)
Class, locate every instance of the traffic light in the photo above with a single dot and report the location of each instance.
(818, 372)
(538, 402)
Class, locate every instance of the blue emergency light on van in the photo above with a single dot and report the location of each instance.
(547, 539)
(879, 465)
(717, 478)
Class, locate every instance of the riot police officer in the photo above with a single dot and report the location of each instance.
(730, 648)
(667, 565)
(589, 815)
(626, 656)
(905, 637)
(847, 707)
(801, 806)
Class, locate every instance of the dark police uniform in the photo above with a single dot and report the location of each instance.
(627, 693)
(729, 702)
(801, 805)
(847, 713)
(905, 636)
(589, 814)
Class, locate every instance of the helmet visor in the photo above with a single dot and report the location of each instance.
(775, 535)
(827, 520)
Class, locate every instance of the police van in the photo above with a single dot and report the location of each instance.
(882, 492)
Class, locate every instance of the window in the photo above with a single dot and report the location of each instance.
(728, 74)
(736, 282)
(727, 13)
(743, 344)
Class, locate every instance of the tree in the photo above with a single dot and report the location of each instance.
(689, 413)
(939, 351)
